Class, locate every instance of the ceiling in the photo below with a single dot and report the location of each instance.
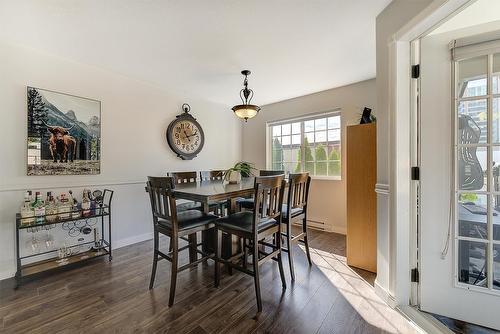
(199, 47)
(478, 12)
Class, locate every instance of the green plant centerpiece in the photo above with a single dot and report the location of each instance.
(241, 169)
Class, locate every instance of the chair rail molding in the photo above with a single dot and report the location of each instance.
(71, 184)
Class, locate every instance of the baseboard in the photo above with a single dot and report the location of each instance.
(338, 229)
(132, 240)
(11, 272)
(385, 295)
(422, 322)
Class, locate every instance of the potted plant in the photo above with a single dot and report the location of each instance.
(241, 169)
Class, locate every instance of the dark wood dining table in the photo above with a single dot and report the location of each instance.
(210, 191)
(215, 191)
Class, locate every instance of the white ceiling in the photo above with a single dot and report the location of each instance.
(478, 12)
(199, 47)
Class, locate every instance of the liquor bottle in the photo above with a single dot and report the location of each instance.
(97, 239)
(39, 209)
(27, 213)
(92, 207)
(51, 210)
(86, 203)
(64, 208)
(71, 201)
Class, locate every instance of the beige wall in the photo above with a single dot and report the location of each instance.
(134, 120)
(327, 197)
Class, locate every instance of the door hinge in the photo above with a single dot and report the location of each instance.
(415, 173)
(415, 277)
(415, 71)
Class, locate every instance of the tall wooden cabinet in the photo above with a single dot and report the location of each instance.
(361, 171)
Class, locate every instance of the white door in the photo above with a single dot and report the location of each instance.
(458, 142)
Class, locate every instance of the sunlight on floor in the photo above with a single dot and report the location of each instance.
(359, 293)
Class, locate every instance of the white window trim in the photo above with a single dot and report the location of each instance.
(308, 117)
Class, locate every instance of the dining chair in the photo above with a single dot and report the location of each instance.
(185, 177)
(176, 225)
(219, 207)
(211, 175)
(248, 203)
(255, 226)
(295, 210)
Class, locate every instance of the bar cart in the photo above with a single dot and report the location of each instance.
(70, 255)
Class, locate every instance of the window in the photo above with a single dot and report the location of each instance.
(477, 187)
(308, 144)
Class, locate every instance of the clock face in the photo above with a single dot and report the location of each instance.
(185, 137)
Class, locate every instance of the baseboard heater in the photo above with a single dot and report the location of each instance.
(313, 224)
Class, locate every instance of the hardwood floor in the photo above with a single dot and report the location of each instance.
(113, 297)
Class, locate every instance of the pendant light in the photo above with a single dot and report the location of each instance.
(246, 110)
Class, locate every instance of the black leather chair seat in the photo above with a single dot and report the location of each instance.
(247, 203)
(242, 221)
(295, 211)
(189, 219)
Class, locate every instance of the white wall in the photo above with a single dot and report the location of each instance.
(388, 22)
(327, 197)
(134, 115)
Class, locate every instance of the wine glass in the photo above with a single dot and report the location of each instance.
(49, 238)
(33, 244)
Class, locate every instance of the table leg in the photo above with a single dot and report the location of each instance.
(208, 236)
(193, 241)
(232, 206)
(231, 243)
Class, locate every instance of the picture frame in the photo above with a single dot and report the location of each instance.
(63, 133)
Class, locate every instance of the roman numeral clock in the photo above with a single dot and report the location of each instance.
(185, 135)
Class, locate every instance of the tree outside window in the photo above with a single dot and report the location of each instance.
(309, 145)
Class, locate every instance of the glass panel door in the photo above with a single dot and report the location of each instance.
(477, 162)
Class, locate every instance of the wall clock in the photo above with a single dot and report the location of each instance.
(185, 135)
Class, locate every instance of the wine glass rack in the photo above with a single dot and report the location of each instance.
(51, 260)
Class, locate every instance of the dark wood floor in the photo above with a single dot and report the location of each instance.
(105, 297)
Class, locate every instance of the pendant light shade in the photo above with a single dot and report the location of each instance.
(246, 110)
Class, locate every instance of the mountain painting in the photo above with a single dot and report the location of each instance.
(64, 134)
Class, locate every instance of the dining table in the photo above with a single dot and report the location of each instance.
(210, 191)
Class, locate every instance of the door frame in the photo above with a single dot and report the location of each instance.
(415, 215)
(403, 206)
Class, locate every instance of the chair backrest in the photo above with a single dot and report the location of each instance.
(183, 177)
(298, 191)
(268, 198)
(211, 175)
(271, 172)
(162, 201)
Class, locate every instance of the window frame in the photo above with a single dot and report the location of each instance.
(490, 145)
(302, 119)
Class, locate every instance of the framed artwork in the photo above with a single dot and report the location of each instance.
(64, 134)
